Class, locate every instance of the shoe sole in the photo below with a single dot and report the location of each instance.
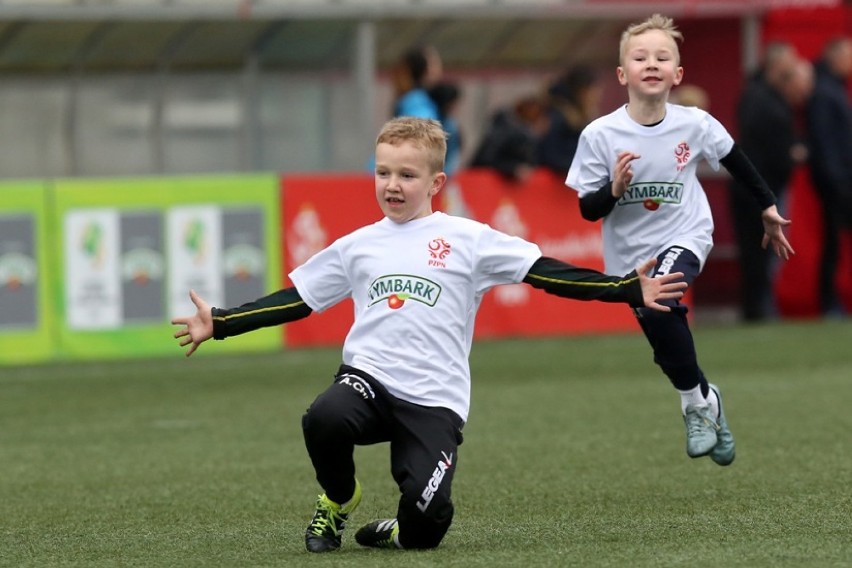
(318, 546)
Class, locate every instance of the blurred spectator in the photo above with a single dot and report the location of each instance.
(799, 86)
(767, 134)
(691, 96)
(509, 145)
(829, 122)
(446, 97)
(574, 99)
(419, 69)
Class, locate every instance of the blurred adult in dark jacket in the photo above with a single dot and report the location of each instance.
(574, 103)
(829, 121)
(509, 145)
(768, 135)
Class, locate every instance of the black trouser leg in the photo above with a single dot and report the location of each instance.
(424, 457)
(668, 332)
(424, 451)
(346, 414)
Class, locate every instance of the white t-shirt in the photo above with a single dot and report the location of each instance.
(416, 288)
(665, 204)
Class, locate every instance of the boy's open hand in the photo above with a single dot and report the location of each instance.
(665, 287)
(773, 227)
(198, 327)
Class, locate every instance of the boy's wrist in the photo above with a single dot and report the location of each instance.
(218, 323)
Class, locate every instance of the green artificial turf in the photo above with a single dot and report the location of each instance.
(573, 456)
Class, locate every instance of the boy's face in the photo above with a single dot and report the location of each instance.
(405, 184)
(650, 67)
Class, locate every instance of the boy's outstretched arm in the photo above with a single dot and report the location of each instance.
(742, 169)
(637, 289)
(279, 307)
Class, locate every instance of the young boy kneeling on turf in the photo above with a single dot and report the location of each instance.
(405, 377)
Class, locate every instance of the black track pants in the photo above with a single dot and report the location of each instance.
(357, 410)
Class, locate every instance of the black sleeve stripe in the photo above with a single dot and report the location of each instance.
(549, 280)
(258, 311)
(569, 281)
(279, 307)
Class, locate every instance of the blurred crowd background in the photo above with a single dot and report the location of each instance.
(95, 88)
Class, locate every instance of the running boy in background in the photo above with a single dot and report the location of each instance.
(636, 169)
(417, 278)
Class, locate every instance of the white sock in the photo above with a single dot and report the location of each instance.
(713, 401)
(691, 397)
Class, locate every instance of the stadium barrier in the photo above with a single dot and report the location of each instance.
(27, 320)
(97, 268)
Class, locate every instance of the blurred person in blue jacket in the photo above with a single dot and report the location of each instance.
(829, 123)
(419, 69)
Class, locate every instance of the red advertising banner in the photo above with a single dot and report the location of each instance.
(315, 211)
(318, 209)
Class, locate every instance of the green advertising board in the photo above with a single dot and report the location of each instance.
(26, 318)
(131, 249)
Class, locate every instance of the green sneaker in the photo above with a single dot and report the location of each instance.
(724, 451)
(383, 533)
(326, 528)
(701, 431)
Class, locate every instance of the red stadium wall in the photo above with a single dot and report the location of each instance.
(711, 55)
(316, 210)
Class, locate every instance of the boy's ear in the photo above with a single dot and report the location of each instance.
(619, 72)
(678, 76)
(438, 183)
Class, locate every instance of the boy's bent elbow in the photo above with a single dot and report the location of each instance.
(588, 213)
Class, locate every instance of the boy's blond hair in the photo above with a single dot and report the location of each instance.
(655, 22)
(425, 133)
